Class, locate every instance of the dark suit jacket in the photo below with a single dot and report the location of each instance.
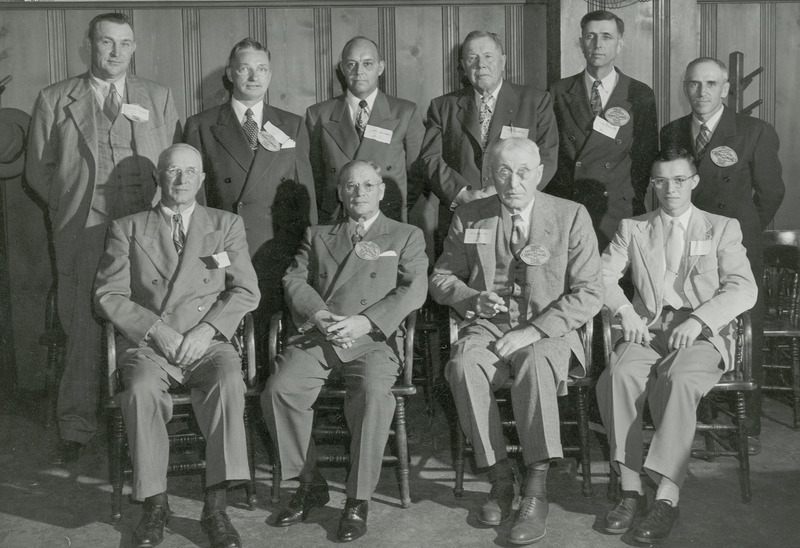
(751, 190)
(608, 176)
(452, 154)
(327, 274)
(246, 182)
(334, 142)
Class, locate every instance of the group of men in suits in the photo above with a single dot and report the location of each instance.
(521, 267)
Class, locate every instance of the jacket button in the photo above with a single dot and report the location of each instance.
(388, 168)
(333, 170)
(228, 180)
(323, 274)
(155, 282)
(578, 164)
(485, 177)
(618, 141)
(607, 165)
(572, 138)
(363, 301)
(605, 193)
(239, 205)
(329, 303)
(201, 308)
(727, 179)
(206, 280)
(721, 205)
(372, 274)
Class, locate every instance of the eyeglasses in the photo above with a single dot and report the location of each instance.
(677, 182)
(352, 187)
(244, 70)
(173, 171)
(505, 173)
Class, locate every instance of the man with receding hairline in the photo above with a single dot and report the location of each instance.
(365, 124)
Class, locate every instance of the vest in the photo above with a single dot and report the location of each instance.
(509, 282)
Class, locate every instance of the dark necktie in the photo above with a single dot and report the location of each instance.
(594, 101)
(112, 103)
(358, 235)
(517, 237)
(361, 119)
(178, 237)
(702, 140)
(485, 119)
(251, 129)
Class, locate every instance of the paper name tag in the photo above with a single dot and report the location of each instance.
(382, 135)
(276, 132)
(390, 253)
(478, 236)
(605, 127)
(221, 260)
(134, 112)
(700, 247)
(510, 131)
(289, 144)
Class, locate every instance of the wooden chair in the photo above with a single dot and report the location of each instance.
(331, 399)
(118, 460)
(55, 340)
(738, 381)
(579, 388)
(782, 314)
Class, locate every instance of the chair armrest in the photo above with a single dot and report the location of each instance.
(111, 359)
(453, 318)
(275, 343)
(408, 350)
(586, 334)
(743, 362)
(249, 350)
(605, 315)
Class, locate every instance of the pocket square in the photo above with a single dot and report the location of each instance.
(389, 253)
(217, 260)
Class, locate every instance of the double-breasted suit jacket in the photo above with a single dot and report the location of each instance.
(718, 283)
(266, 188)
(607, 175)
(334, 142)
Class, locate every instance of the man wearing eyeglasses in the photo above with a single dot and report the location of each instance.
(521, 269)
(176, 281)
(672, 342)
(364, 123)
(348, 290)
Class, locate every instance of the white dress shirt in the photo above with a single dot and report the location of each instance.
(606, 87)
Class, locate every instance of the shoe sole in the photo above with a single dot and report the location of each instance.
(518, 543)
(622, 531)
(304, 515)
(493, 523)
(649, 540)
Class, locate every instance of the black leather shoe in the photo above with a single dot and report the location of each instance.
(620, 518)
(217, 525)
(657, 524)
(150, 531)
(307, 496)
(66, 452)
(531, 522)
(497, 508)
(353, 523)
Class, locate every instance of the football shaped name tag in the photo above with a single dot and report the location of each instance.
(534, 255)
(369, 251)
(268, 141)
(618, 116)
(724, 156)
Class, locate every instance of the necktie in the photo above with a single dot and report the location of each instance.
(673, 280)
(178, 237)
(594, 101)
(485, 119)
(251, 129)
(702, 140)
(361, 119)
(359, 234)
(517, 237)
(112, 103)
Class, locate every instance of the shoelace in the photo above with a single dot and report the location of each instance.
(526, 506)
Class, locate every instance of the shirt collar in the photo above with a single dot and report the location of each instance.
(607, 84)
(711, 124)
(186, 215)
(683, 218)
(494, 94)
(101, 87)
(239, 109)
(352, 223)
(525, 213)
(352, 102)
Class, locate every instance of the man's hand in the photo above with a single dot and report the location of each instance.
(323, 319)
(476, 194)
(166, 339)
(514, 340)
(685, 334)
(348, 329)
(488, 304)
(195, 343)
(634, 327)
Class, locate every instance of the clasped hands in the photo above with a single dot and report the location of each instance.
(182, 350)
(634, 329)
(341, 331)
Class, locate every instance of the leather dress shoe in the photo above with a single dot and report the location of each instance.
(620, 518)
(497, 508)
(657, 524)
(307, 496)
(150, 531)
(66, 452)
(531, 522)
(217, 525)
(353, 523)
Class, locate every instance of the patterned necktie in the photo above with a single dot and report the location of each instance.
(361, 119)
(517, 237)
(111, 104)
(178, 237)
(358, 235)
(485, 119)
(251, 129)
(673, 286)
(594, 101)
(702, 140)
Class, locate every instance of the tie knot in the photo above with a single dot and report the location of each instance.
(249, 114)
(177, 219)
(704, 128)
(112, 89)
(516, 218)
(362, 103)
(596, 84)
(486, 98)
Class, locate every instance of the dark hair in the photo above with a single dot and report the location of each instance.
(118, 18)
(675, 153)
(354, 39)
(244, 43)
(475, 35)
(603, 15)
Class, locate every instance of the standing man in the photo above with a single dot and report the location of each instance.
(740, 177)
(93, 146)
(176, 281)
(365, 124)
(350, 287)
(674, 340)
(522, 269)
(463, 124)
(607, 129)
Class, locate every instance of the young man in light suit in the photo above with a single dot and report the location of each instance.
(674, 341)
(350, 287)
(176, 281)
(522, 269)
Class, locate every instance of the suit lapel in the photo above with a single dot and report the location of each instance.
(619, 97)
(341, 128)
(468, 114)
(491, 221)
(82, 111)
(157, 244)
(381, 116)
(504, 110)
(650, 241)
(699, 230)
(263, 157)
(337, 240)
(229, 134)
(578, 104)
(378, 233)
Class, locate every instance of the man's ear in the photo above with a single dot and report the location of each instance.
(726, 88)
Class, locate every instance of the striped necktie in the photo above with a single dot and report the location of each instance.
(517, 237)
(361, 119)
(178, 236)
(358, 235)
(703, 137)
(595, 102)
(251, 129)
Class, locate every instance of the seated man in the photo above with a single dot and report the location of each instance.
(176, 282)
(350, 287)
(523, 269)
(691, 280)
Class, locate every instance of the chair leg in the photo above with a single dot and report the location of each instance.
(458, 461)
(583, 432)
(401, 440)
(250, 487)
(276, 477)
(744, 450)
(796, 381)
(116, 431)
(427, 358)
